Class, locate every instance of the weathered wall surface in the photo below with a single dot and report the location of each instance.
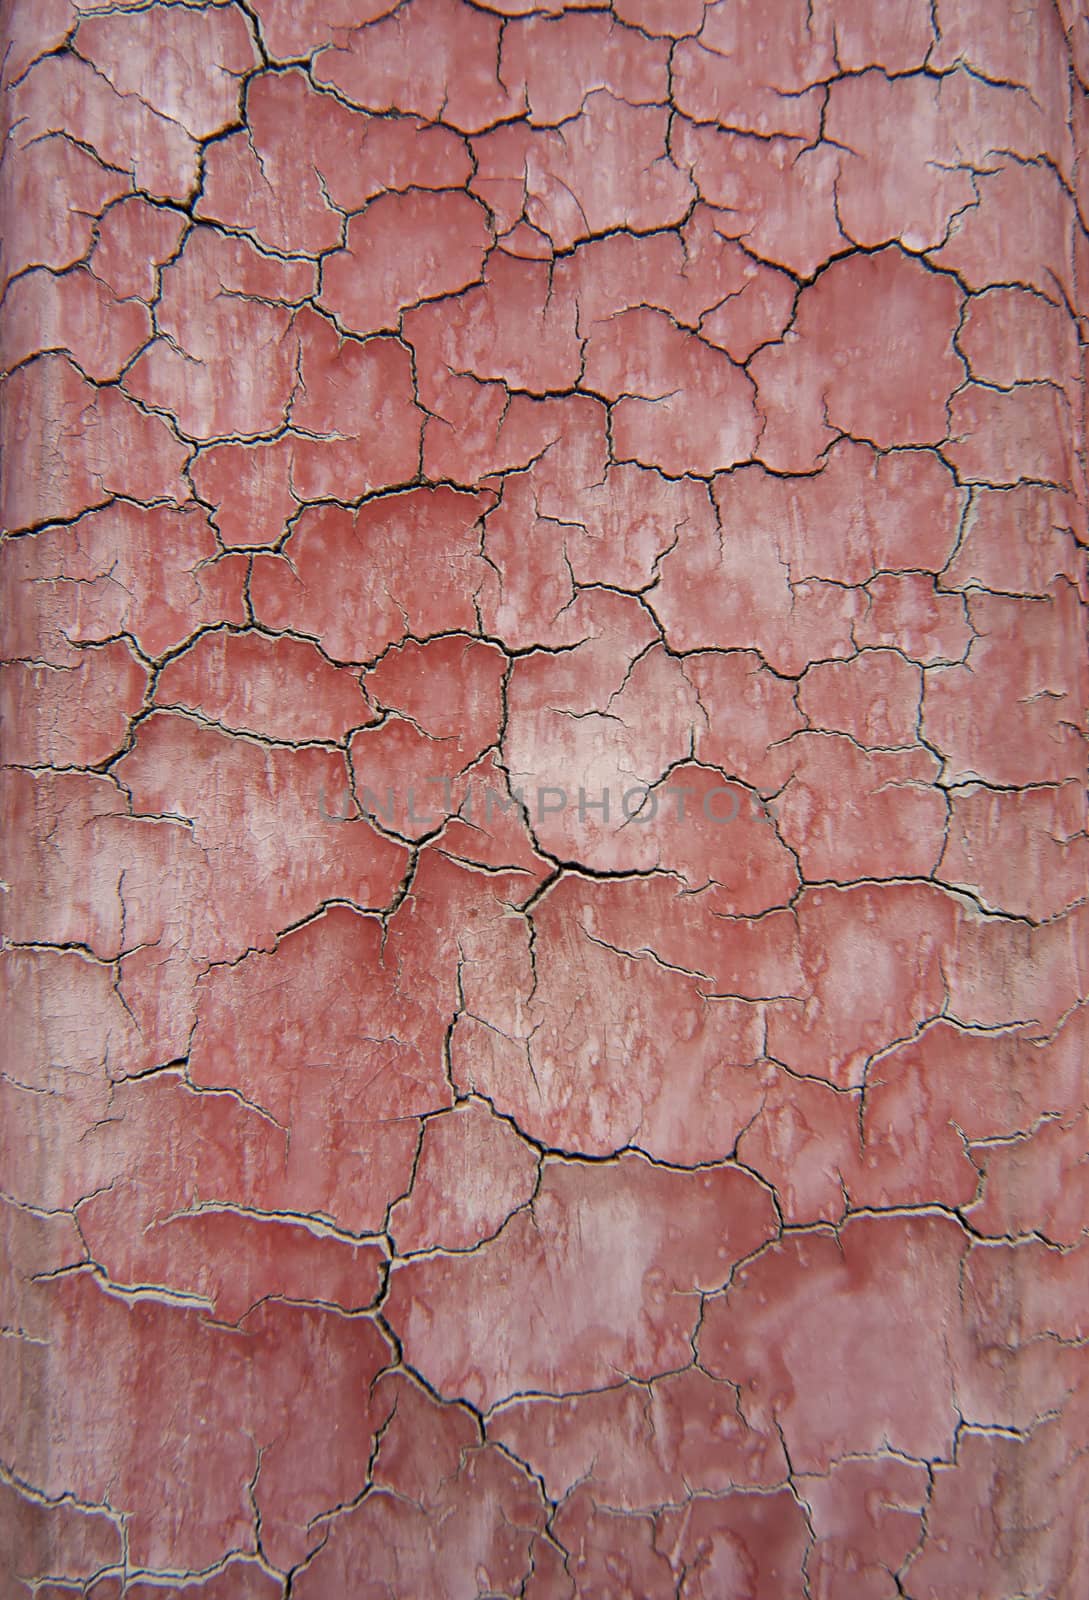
(674, 1184)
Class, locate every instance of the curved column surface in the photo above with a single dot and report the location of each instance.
(545, 887)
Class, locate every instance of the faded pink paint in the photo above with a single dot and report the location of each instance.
(422, 1177)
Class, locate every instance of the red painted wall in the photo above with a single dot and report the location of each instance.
(545, 886)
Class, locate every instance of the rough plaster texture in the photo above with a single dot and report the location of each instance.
(416, 1195)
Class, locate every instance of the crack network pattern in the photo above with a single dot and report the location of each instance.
(410, 406)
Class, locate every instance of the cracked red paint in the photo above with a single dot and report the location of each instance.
(543, 708)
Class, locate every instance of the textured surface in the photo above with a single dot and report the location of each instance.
(545, 903)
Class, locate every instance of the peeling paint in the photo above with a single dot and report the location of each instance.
(453, 398)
